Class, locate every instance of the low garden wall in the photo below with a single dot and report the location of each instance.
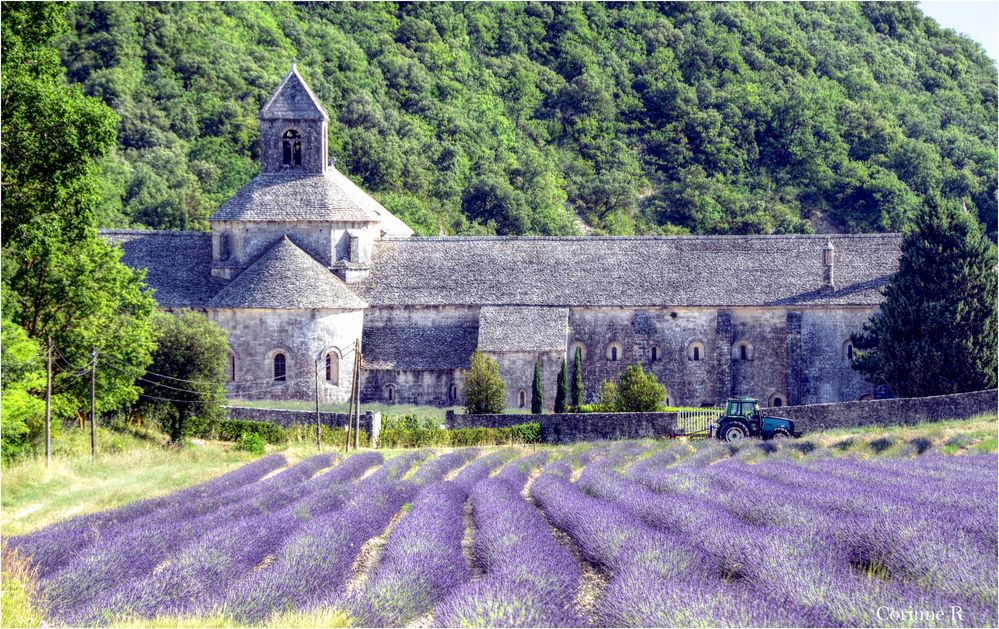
(890, 412)
(370, 422)
(571, 427)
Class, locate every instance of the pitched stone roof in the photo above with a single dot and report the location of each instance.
(289, 196)
(629, 271)
(410, 346)
(293, 100)
(287, 277)
(522, 329)
(178, 264)
(389, 223)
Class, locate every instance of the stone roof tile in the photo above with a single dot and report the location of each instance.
(296, 196)
(177, 264)
(522, 329)
(412, 346)
(629, 271)
(287, 277)
(293, 99)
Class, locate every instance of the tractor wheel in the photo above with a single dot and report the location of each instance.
(780, 433)
(734, 432)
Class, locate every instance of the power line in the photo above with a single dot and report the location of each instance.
(160, 375)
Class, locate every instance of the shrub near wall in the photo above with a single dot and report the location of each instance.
(461, 437)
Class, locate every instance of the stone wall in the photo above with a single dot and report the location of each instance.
(572, 427)
(895, 411)
(370, 422)
(304, 337)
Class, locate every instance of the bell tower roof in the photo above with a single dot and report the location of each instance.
(293, 100)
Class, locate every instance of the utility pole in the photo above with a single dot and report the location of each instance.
(357, 392)
(319, 441)
(48, 403)
(93, 404)
(350, 418)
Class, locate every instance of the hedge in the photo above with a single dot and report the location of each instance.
(460, 437)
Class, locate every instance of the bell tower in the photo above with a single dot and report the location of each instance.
(293, 126)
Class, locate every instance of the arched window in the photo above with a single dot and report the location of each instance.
(614, 352)
(279, 367)
(695, 351)
(291, 145)
(848, 350)
(867, 397)
(776, 400)
(655, 353)
(232, 367)
(582, 351)
(742, 350)
(390, 393)
(333, 368)
(452, 392)
(522, 398)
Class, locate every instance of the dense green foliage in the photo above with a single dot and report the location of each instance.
(537, 392)
(53, 138)
(434, 436)
(515, 118)
(22, 377)
(635, 392)
(562, 389)
(188, 374)
(485, 390)
(936, 331)
(251, 442)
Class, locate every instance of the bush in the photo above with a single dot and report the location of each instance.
(460, 437)
(233, 429)
(251, 442)
(485, 390)
(335, 437)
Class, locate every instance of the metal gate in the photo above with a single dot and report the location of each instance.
(696, 424)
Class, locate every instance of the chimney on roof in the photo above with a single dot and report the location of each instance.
(828, 255)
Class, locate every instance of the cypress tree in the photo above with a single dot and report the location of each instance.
(537, 393)
(577, 379)
(935, 332)
(562, 392)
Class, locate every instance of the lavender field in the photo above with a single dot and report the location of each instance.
(633, 533)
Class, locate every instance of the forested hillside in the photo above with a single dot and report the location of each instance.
(555, 118)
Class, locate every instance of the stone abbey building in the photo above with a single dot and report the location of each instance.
(301, 264)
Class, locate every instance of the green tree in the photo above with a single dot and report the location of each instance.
(188, 369)
(936, 330)
(608, 398)
(562, 389)
(485, 391)
(640, 392)
(577, 379)
(537, 392)
(53, 138)
(22, 379)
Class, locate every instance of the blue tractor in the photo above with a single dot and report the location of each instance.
(744, 418)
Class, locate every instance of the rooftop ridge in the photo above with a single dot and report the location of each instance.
(690, 237)
(293, 73)
(151, 232)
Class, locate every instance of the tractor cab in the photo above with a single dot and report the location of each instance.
(745, 418)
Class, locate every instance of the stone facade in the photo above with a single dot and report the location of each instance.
(302, 264)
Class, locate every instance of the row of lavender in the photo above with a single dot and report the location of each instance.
(249, 542)
(825, 543)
